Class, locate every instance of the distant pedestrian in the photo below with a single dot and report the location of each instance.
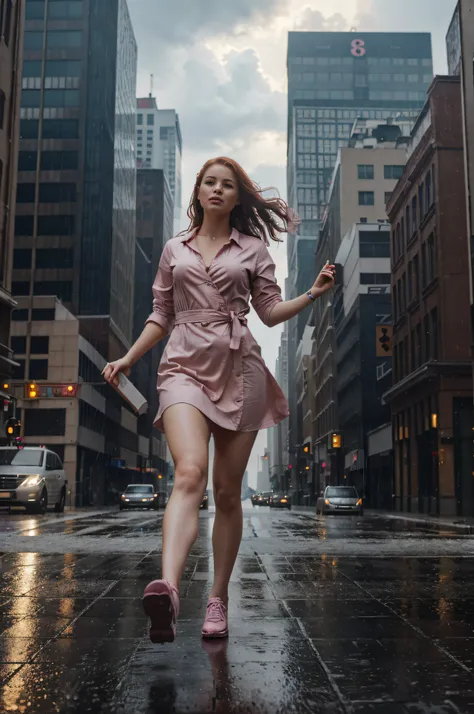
(212, 379)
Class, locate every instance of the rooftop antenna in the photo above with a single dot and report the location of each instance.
(152, 81)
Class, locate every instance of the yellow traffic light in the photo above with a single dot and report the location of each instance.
(160, 476)
(6, 385)
(32, 391)
(307, 468)
(10, 431)
(336, 441)
(306, 448)
(70, 388)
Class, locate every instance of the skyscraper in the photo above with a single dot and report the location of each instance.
(160, 145)
(334, 78)
(11, 22)
(75, 229)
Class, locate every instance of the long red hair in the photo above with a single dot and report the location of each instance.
(255, 215)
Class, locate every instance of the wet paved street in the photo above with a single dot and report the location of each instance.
(326, 615)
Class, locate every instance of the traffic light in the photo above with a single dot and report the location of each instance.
(336, 441)
(306, 449)
(384, 335)
(12, 428)
(6, 386)
(32, 391)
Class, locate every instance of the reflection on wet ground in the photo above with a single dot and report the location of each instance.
(322, 619)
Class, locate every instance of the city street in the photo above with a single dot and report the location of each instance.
(341, 614)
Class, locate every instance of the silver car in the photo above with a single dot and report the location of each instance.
(339, 499)
(139, 495)
(32, 477)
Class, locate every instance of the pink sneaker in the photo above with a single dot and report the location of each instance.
(215, 624)
(161, 605)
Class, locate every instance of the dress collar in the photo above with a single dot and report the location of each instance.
(234, 236)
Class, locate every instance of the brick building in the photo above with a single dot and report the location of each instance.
(431, 396)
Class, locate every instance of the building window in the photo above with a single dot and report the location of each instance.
(34, 10)
(421, 201)
(57, 258)
(434, 333)
(57, 192)
(45, 422)
(426, 331)
(65, 10)
(43, 314)
(150, 119)
(408, 221)
(394, 171)
(365, 171)
(432, 268)
(24, 225)
(61, 288)
(402, 233)
(25, 193)
(33, 40)
(140, 119)
(414, 211)
(18, 345)
(419, 358)
(387, 196)
(60, 129)
(19, 372)
(375, 278)
(39, 346)
(30, 98)
(61, 225)
(2, 108)
(38, 369)
(27, 160)
(59, 160)
(416, 276)
(19, 315)
(428, 192)
(62, 68)
(63, 39)
(366, 198)
(62, 98)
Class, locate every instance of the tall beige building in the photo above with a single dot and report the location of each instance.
(364, 177)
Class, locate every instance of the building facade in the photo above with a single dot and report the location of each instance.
(75, 219)
(431, 396)
(363, 353)
(160, 146)
(460, 46)
(364, 177)
(333, 79)
(153, 229)
(11, 32)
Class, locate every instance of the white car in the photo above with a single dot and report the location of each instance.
(32, 477)
(339, 499)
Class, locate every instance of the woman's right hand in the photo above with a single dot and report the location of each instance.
(112, 370)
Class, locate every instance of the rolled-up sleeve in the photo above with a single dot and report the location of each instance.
(266, 292)
(163, 303)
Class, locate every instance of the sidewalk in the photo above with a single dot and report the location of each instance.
(436, 523)
(458, 523)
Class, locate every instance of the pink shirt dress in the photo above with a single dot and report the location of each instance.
(211, 360)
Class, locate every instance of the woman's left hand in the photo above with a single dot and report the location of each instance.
(324, 281)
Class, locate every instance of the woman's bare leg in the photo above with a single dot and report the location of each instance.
(187, 432)
(232, 451)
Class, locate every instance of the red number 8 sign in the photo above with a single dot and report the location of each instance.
(358, 48)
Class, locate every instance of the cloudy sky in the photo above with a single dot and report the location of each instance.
(222, 65)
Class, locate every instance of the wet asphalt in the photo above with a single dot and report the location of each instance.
(327, 614)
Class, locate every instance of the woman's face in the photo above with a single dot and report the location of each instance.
(218, 192)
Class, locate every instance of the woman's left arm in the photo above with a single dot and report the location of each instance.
(266, 293)
(290, 308)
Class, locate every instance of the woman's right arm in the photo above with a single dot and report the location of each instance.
(158, 325)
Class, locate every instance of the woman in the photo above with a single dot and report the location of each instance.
(212, 379)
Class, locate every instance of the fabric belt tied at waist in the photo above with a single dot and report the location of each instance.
(217, 317)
